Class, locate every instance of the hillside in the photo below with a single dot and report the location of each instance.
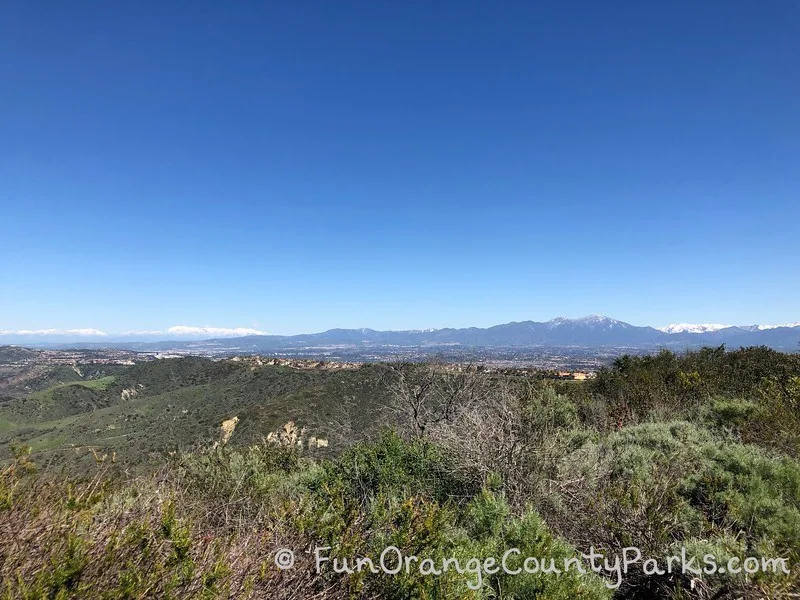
(161, 406)
(184, 477)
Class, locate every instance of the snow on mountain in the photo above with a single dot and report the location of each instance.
(188, 331)
(590, 331)
(763, 327)
(86, 332)
(692, 328)
(591, 320)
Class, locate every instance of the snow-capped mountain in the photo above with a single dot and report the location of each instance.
(763, 327)
(712, 327)
(692, 328)
(593, 331)
(590, 321)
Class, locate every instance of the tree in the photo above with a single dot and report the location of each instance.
(433, 393)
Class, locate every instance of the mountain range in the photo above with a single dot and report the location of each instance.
(591, 332)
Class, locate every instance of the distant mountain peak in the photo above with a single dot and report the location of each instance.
(588, 331)
(762, 327)
(693, 327)
(597, 319)
(589, 320)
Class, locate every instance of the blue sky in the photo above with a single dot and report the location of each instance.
(296, 166)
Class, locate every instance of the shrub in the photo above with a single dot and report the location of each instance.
(491, 523)
(732, 413)
(775, 423)
(394, 466)
(405, 494)
(665, 485)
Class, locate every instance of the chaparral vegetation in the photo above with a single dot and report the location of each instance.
(181, 478)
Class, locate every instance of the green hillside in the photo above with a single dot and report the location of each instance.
(162, 406)
(183, 477)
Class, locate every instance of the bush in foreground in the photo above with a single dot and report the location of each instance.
(208, 527)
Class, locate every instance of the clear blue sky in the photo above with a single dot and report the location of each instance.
(296, 166)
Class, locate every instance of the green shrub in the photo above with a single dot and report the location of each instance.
(496, 530)
(664, 485)
(394, 466)
(732, 412)
(776, 421)
(398, 493)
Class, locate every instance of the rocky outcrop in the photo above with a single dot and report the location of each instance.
(291, 436)
(131, 392)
